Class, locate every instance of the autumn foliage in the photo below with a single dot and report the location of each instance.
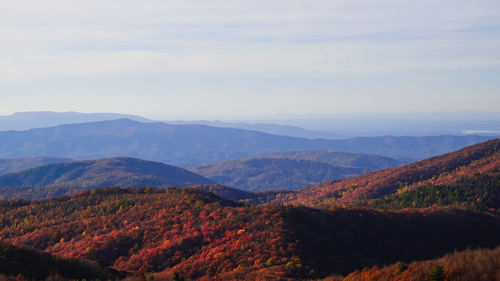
(468, 265)
(152, 231)
(201, 236)
(483, 158)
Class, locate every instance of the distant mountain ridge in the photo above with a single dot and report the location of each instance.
(190, 145)
(292, 170)
(41, 119)
(274, 129)
(369, 162)
(12, 165)
(65, 178)
(273, 174)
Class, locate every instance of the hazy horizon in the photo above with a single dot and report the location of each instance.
(311, 126)
(238, 59)
(279, 117)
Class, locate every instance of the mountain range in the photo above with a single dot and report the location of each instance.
(411, 220)
(469, 175)
(270, 128)
(191, 145)
(310, 126)
(41, 119)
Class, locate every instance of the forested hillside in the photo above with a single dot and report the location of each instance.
(483, 159)
(469, 265)
(479, 192)
(201, 236)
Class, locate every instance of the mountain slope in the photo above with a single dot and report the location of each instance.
(78, 175)
(20, 164)
(19, 263)
(479, 192)
(204, 237)
(190, 145)
(151, 231)
(482, 159)
(273, 174)
(477, 265)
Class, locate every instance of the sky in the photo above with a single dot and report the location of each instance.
(243, 59)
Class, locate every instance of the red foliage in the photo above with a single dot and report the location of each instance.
(482, 158)
(204, 237)
(178, 230)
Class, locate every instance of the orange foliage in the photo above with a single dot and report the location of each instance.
(477, 265)
(482, 158)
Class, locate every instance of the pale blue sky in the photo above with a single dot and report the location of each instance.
(233, 58)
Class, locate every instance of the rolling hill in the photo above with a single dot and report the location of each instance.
(292, 170)
(191, 145)
(481, 159)
(66, 178)
(20, 164)
(369, 162)
(161, 232)
(273, 174)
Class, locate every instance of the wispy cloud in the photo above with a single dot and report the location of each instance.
(67, 39)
